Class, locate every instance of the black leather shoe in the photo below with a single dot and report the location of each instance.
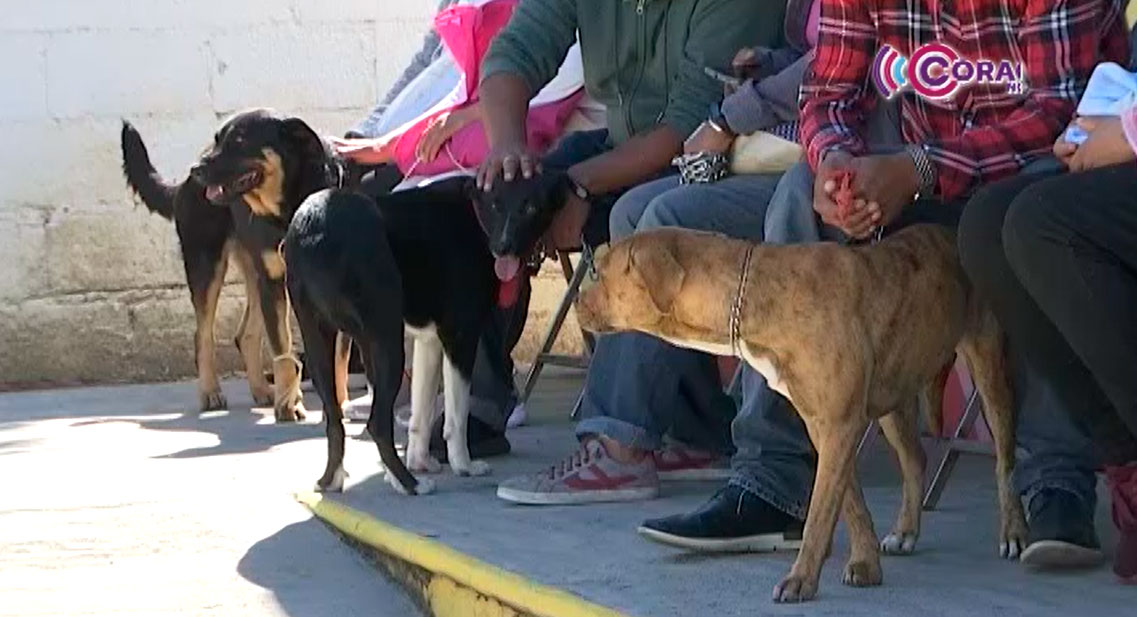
(732, 521)
(1062, 533)
(483, 441)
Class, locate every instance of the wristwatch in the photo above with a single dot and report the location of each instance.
(717, 120)
(924, 169)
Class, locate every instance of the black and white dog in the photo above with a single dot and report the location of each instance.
(421, 259)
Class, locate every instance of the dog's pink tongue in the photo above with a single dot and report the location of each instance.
(213, 192)
(506, 268)
(509, 283)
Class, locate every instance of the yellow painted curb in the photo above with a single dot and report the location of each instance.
(438, 559)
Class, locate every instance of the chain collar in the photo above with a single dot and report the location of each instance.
(736, 306)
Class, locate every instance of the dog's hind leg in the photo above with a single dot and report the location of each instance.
(250, 333)
(343, 356)
(205, 269)
(426, 368)
(457, 395)
(287, 405)
(385, 370)
(902, 432)
(986, 357)
(319, 348)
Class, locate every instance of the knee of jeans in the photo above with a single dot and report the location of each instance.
(667, 210)
(625, 215)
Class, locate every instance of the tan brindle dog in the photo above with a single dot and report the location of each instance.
(848, 335)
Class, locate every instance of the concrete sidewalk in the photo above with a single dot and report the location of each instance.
(123, 501)
(594, 552)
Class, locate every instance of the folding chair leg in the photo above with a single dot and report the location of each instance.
(951, 456)
(555, 326)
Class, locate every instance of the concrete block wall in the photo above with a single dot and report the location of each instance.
(91, 285)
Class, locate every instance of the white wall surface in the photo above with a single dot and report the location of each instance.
(91, 285)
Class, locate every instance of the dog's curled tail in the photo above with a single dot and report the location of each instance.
(156, 194)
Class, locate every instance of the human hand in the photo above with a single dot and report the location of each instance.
(747, 63)
(1064, 150)
(826, 185)
(707, 139)
(506, 160)
(566, 231)
(364, 150)
(440, 130)
(887, 183)
(1105, 146)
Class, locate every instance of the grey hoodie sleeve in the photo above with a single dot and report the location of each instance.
(767, 103)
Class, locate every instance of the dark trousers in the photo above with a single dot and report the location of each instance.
(1043, 250)
(1071, 241)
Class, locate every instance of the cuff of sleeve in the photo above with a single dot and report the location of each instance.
(683, 123)
(1129, 125)
(745, 111)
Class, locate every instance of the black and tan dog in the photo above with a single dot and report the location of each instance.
(848, 335)
(237, 201)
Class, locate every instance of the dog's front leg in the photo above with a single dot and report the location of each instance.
(863, 568)
(426, 369)
(835, 438)
(287, 404)
(457, 395)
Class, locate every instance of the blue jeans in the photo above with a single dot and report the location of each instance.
(775, 459)
(640, 388)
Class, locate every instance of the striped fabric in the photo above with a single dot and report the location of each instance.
(984, 133)
(786, 130)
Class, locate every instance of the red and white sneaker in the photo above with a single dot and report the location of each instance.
(675, 461)
(589, 475)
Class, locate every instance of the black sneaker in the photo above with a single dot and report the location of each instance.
(483, 441)
(732, 521)
(1062, 533)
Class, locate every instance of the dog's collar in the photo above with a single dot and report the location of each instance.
(736, 306)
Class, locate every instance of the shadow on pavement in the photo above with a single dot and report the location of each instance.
(298, 565)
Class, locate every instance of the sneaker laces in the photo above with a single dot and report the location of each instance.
(584, 456)
(1123, 491)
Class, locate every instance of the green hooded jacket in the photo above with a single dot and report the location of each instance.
(644, 60)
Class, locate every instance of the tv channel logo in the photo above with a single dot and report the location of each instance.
(937, 72)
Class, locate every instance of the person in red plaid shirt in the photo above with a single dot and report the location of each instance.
(951, 147)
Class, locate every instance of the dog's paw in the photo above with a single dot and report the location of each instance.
(899, 543)
(473, 468)
(290, 413)
(333, 484)
(424, 486)
(795, 588)
(213, 401)
(862, 573)
(423, 462)
(1013, 541)
(262, 397)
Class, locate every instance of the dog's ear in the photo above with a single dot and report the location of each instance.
(303, 138)
(652, 256)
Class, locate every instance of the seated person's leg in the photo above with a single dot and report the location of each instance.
(639, 388)
(764, 506)
(1078, 264)
(1057, 476)
(629, 209)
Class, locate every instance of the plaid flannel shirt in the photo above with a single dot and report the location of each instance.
(984, 133)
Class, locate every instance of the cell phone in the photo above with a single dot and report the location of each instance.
(1076, 135)
(722, 77)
